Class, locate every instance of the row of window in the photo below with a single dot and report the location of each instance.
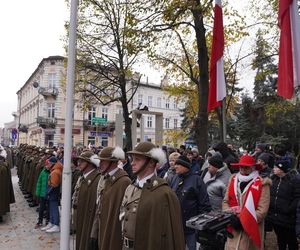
(92, 113)
(158, 102)
(103, 141)
(166, 125)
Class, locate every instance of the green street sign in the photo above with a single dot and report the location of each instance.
(99, 120)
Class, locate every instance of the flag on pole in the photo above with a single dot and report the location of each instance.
(217, 88)
(289, 48)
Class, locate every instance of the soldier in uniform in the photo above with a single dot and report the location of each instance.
(6, 189)
(110, 192)
(84, 197)
(150, 211)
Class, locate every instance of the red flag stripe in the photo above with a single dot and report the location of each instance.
(285, 85)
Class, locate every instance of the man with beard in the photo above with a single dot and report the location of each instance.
(150, 211)
(106, 233)
(84, 197)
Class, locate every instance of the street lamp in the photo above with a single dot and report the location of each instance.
(36, 85)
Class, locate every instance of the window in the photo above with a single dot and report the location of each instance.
(167, 103)
(91, 114)
(175, 123)
(158, 102)
(104, 113)
(49, 140)
(51, 80)
(167, 123)
(91, 140)
(149, 101)
(51, 110)
(104, 141)
(175, 104)
(140, 99)
(149, 122)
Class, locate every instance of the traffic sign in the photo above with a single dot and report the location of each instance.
(99, 120)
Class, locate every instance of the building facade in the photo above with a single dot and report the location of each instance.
(41, 111)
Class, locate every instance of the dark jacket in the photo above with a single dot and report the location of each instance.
(284, 197)
(163, 170)
(191, 192)
(195, 168)
(266, 172)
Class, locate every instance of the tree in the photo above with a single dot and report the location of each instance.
(184, 54)
(108, 48)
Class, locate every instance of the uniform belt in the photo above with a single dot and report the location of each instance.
(128, 243)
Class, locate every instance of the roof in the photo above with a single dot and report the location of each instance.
(50, 58)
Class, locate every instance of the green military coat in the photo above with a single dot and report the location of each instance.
(110, 233)
(86, 208)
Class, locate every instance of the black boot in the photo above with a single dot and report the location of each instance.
(33, 204)
(27, 196)
(1, 219)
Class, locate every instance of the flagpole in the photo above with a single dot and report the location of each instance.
(224, 119)
(67, 177)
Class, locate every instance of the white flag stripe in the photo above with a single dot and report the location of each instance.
(218, 2)
(221, 86)
(250, 205)
(295, 30)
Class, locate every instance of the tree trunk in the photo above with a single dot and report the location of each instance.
(201, 122)
(128, 140)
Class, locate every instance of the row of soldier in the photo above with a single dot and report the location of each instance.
(6, 188)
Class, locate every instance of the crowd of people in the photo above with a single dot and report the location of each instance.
(142, 199)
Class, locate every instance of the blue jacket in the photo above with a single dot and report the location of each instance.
(191, 192)
(195, 168)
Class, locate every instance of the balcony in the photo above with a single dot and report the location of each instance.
(45, 122)
(105, 127)
(47, 92)
(23, 128)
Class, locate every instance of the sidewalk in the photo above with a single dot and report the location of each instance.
(17, 230)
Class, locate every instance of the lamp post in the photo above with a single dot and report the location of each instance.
(36, 85)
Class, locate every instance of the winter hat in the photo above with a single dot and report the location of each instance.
(148, 149)
(247, 161)
(112, 154)
(283, 165)
(264, 157)
(216, 161)
(183, 161)
(261, 146)
(89, 157)
(195, 150)
(52, 160)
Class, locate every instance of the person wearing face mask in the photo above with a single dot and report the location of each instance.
(248, 197)
(106, 232)
(150, 211)
(84, 197)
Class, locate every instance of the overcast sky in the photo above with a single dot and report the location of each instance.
(30, 31)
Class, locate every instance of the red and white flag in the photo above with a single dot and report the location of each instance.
(289, 48)
(217, 87)
(249, 220)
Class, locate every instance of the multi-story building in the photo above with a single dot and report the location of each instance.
(41, 110)
(9, 132)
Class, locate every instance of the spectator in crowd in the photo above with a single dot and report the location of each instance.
(53, 192)
(195, 167)
(285, 194)
(181, 149)
(227, 155)
(162, 170)
(263, 160)
(126, 166)
(192, 195)
(247, 192)
(40, 192)
(216, 180)
(259, 149)
(171, 171)
(204, 167)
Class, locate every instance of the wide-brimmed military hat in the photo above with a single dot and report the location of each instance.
(148, 149)
(90, 157)
(112, 154)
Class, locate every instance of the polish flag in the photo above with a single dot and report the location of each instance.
(249, 220)
(289, 48)
(217, 88)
